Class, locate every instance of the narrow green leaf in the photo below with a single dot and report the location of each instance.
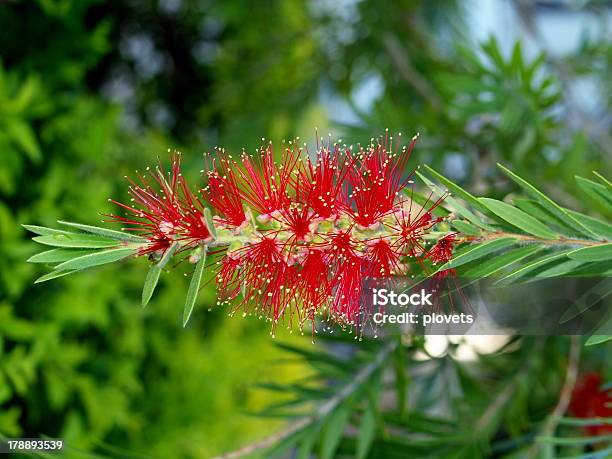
(366, 431)
(597, 226)
(598, 193)
(85, 241)
(95, 259)
(549, 204)
(455, 205)
(43, 231)
(150, 283)
(604, 180)
(499, 262)
(562, 268)
(332, 432)
(53, 275)
(518, 218)
(460, 192)
(598, 339)
(119, 235)
(194, 287)
(58, 255)
(154, 273)
(530, 267)
(601, 252)
(478, 251)
(537, 210)
(466, 228)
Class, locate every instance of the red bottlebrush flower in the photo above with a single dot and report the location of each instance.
(163, 216)
(411, 229)
(298, 221)
(382, 260)
(442, 251)
(589, 400)
(266, 183)
(347, 277)
(223, 193)
(314, 287)
(228, 277)
(322, 185)
(376, 181)
(261, 273)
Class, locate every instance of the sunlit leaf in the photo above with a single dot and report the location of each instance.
(97, 258)
(194, 287)
(121, 236)
(518, 218)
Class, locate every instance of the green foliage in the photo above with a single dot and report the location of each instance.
(487, 405)
(91, 90)
(552, 238)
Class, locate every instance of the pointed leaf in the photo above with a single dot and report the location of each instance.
(85, 241)
(54, 275)
(549, 204)
(119, 235)
(58, 255)
(597, 339)
(150, 283)
(603, 180)
(460, 192)
(530, 267)
(598, 193)
(455, 205)
(600, 252)
(194, 287)
(96, 259)
(597, 226)
(43, 231)
(501, 261)
(518, 218)
(154, 273)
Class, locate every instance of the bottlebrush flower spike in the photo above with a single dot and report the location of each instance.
(291, 238)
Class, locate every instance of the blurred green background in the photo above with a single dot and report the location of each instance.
(91, 91)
